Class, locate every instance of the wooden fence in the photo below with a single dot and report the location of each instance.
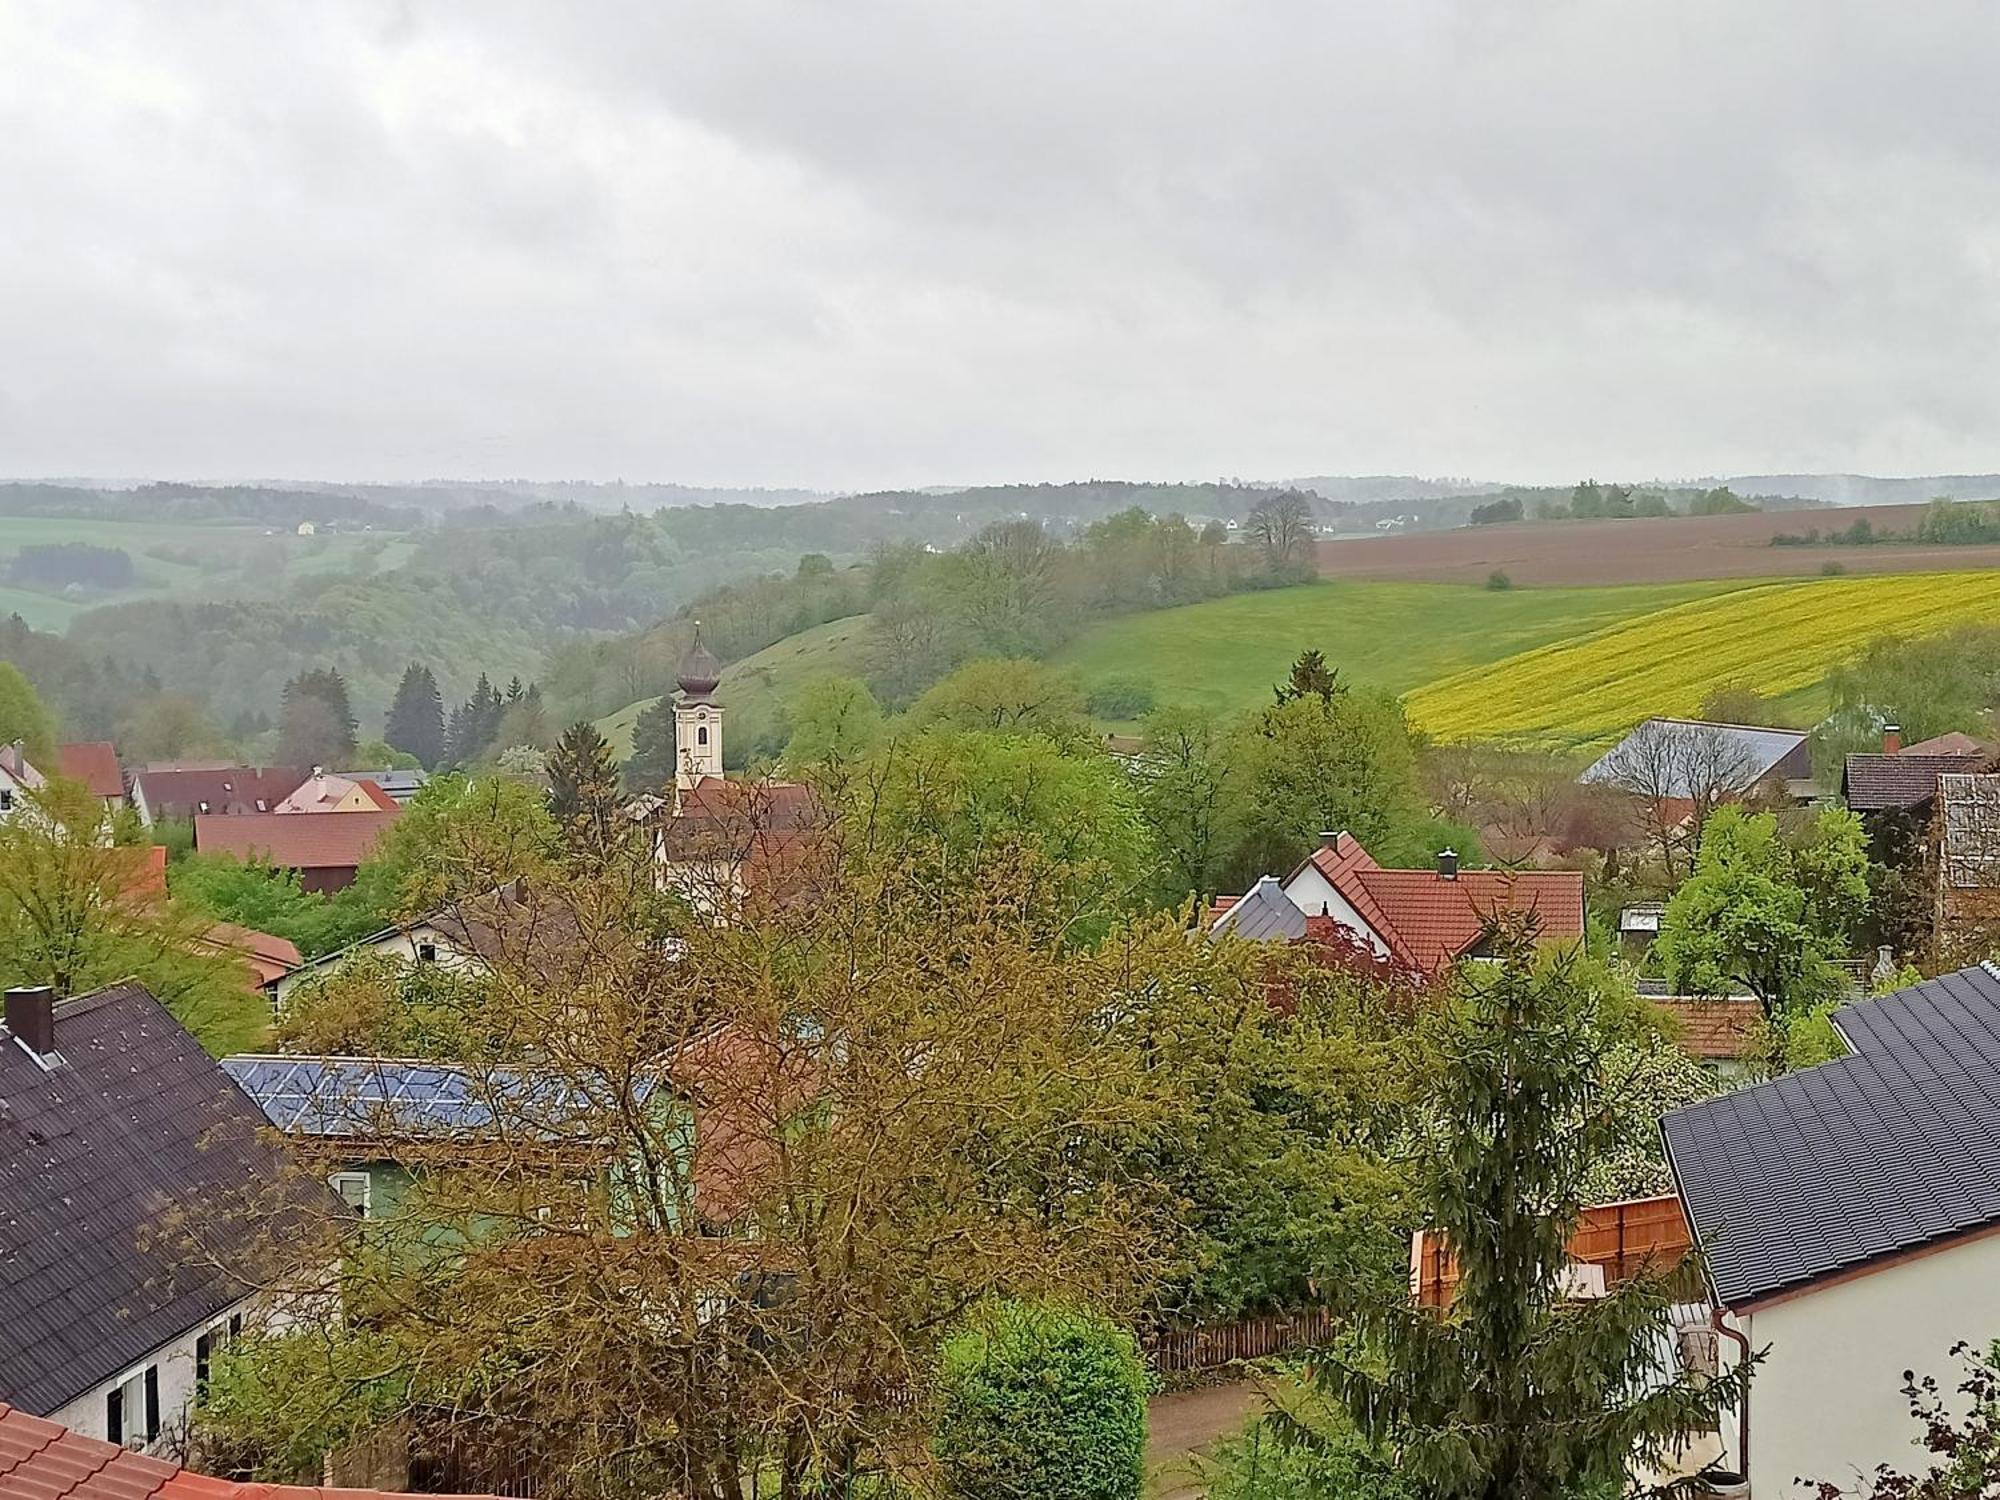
(1623, 1238)
(1176, 1351)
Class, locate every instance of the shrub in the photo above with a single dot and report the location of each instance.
(1831, 569)
(1498, 580)
(1259, 1464)
(1121, 698)
(1041, 1402)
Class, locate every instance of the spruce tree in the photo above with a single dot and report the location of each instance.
(316, 723)
(416, 717)
(1514, 1392)
(655, 756)
(583, 788)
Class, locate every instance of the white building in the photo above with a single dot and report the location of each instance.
(1849, 1215)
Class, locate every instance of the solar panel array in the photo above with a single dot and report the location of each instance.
(1828, 1168)
(335, 1096)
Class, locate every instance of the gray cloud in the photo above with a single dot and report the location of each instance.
(883, 241)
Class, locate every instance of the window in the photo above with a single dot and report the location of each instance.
(6, 798)
(427, 953)
(213, 1341)
(701, 735)
(132, 1408)
(353, 1190)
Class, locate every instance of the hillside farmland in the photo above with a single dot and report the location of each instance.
(1779, 638)
(1647, 550)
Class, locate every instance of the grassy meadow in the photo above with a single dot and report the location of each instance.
(184, 559)
(1226, 654)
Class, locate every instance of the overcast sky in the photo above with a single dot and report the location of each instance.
(847, 243)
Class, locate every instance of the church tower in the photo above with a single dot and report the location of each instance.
(697, 716)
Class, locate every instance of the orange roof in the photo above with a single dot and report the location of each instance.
(95, 764)
(1713, 1030)
(377, 796)
(293, 841)
(43, 1460)
(269, 956)
(1428, 919)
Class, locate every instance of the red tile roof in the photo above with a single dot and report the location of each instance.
(43, 1460)
(294, 841)
(268, 955)
(1949, 743)
(1427, 919)
(1713, 1030)
(95, 764)
(379, 797)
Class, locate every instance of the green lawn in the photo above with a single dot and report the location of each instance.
(757, 689)
(1227, 654)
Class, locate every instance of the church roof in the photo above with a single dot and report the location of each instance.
(699, 671)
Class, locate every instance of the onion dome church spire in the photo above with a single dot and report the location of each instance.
(697, 716)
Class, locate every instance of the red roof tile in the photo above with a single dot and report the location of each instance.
(1713, 1030)
(294, 841)
(1434, 919)
(215, 789)
(95, 764)
(41, 1460)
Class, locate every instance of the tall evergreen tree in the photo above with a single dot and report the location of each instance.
(316, 722)
(654, 762)
(416, 717)
(583, 788)
(1516, 1393)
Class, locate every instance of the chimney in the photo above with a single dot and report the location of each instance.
(1892, 739)
(1329, 838)
(31, 1016)
(1447, 864)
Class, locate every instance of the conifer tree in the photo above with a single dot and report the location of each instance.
(416, 717)
(654, 761)
(583, 788)
(316, 722)
(1515, 1393)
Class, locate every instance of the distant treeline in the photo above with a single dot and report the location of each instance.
(1591, 501)
(261, 505)
(1946, 523)
(61, 565)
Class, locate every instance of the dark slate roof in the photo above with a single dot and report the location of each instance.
(1264, 914)
(135, 1123)
(1872, 783)
(1829, 1168)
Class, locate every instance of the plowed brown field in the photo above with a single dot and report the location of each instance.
(1669, 549)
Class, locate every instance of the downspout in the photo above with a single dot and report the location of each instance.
(1742, 1342)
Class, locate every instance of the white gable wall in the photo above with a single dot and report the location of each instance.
(1312, 893)
(1827, 1402)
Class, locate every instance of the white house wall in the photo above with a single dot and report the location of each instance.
(1827, 1402)
(400, 944)
(176, 1364)
(1312, 893)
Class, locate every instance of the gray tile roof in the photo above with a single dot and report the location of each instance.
(1683, 767)
(1829, 1168)
(1264, 914)
(1872, 783)
(136, 1123)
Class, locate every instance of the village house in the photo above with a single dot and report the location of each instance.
(323, 850)
(1420, 920)
(321, 793)
(467, 935)
(1848, 1216)
(113, 1120)
(189, 791)
(95, 764)
(1683, 767)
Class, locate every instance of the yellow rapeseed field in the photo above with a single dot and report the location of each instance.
(1776, 638)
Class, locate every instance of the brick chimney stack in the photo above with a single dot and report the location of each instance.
(1448, 864)
(31, 1016)
(1892, 739)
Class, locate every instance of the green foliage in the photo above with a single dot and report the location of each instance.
(1498, 582)
(1959, 523)
(1041, 1402)
(1311, 764)
(1264, 1462)
(459, 836)
(1764, 915)
(1121, 698)
(652, 766)
(1182, 782)
(167, 726)
(24, 718)
(68, 920)
(1643, 1077)
(1495, 512)
(256, 895)
(1928, 684)
(276, 1404)
(835, 722)
(583, 789)
(316, 720)
(1721, 501)
(1011, 695)
(1515, 1392)
(379, 1005)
